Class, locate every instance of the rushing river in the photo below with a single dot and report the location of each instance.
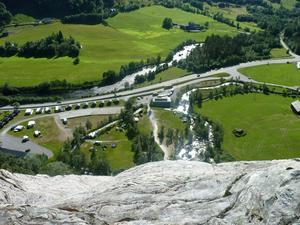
(196, 149)
(129, 79)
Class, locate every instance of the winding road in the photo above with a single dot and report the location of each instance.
(14, 143)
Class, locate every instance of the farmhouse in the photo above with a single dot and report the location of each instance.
(296, 106)
(191, 27)
(163, 102)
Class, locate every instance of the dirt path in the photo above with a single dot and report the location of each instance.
(63, 133)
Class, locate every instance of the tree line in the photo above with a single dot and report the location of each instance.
(219, 51)
(144, 147)
(57, 8)
(55, 45)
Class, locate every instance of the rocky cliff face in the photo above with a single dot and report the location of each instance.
(169, 192)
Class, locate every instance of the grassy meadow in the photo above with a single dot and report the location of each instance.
(284, 74)
(231, 13)
(127, 37)
(279, 53)
(169, 74)
(272, 128)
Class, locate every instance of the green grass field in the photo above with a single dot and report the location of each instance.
(169, 74)
(128, 37)
(284, 74)
(289, 4)
(272, 128)
(168, 119)
(21, 18)
(81, 121)
(118, 158)
(279, 53)
(231, 13)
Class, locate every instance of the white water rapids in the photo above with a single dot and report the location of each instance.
(196, 150)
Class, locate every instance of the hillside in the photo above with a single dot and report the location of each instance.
(128, 37)
(168, 192)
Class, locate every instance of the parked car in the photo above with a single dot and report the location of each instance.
(25, 139)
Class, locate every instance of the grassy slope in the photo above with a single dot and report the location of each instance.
(168, 119)
(231, 13)
(279, 53)
(21, 18)
(289, 4)
(272, 128)
(120, 157)
(169, 74)
(284, 74)
(81, 121)
(129, 37)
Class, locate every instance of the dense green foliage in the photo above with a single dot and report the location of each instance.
(5, 16)
(83, 18)
(33, 164)
(54, 45)
(292, 35)
(220, 51)
(57, 8)
(144, 146)
(167, 23)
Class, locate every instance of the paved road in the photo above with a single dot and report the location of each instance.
(183, 81)
(15, 144)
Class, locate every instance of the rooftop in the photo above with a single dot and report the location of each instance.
(296, 105)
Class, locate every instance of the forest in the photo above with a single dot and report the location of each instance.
(56, 8)
(219, 51)
(55, 45)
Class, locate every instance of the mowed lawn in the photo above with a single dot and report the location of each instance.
(284, 74)
(128, 37)
(119, 158)
(279, 53)
(272, 128)
(231, 13)
(168, 120)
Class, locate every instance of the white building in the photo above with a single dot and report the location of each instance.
(296, 106)
(163, 102)
(298, 65)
